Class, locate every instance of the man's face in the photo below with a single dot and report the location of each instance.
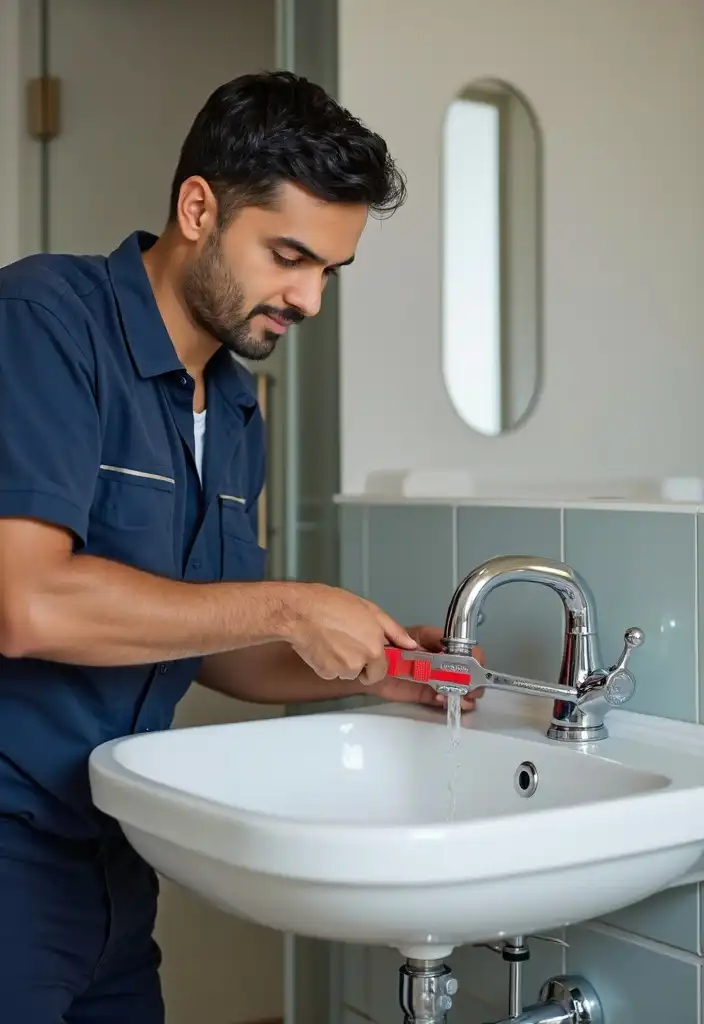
(268, 268)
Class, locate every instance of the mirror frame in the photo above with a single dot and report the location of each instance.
(475, 89)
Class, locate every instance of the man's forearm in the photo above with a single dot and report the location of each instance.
(271, 674)
(96, 612)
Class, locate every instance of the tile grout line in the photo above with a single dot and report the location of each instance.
(652, 945)
(698, 918)
(455, 548)
(697, 711)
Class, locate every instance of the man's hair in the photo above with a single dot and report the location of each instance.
(261, 130)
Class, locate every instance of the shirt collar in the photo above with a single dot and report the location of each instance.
(236, 383)
(147, 338)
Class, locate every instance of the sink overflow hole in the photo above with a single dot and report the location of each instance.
(526, 778)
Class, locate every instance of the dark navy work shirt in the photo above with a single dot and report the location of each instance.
(96, 436)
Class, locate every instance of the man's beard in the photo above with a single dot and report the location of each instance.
(216, 302)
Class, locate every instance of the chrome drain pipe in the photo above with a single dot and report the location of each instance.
(426, 989)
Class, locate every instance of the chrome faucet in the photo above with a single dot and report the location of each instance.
(585, 692)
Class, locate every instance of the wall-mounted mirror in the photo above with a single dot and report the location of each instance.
(491, 257)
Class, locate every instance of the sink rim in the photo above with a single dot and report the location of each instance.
(412, 854)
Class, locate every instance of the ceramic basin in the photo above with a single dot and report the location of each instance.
(341, 825)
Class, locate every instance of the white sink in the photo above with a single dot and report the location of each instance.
(338, 825)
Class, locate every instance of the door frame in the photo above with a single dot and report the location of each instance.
(11, 131)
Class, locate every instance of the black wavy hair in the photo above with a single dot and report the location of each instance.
(261, 130)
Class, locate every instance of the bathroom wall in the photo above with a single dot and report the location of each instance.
(645, 566)
(618, 87)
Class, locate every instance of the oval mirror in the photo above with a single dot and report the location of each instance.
(491, 257)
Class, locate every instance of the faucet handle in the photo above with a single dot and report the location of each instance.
(633, 638)
(619, 683)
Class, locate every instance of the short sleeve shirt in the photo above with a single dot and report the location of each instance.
(97, 437)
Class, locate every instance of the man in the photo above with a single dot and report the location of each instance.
(129, 564)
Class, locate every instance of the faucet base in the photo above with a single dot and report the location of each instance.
(566, 733)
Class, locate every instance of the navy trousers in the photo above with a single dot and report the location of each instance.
(76, 923)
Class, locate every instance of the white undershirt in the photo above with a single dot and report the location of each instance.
(199, 437)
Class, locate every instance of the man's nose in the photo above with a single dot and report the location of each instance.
(306, 295)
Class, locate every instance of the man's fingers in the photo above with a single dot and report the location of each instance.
(396, 634)
(429, 638)
(374, 672)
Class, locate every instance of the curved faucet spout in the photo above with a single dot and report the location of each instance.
(589, 688)
(470, 595)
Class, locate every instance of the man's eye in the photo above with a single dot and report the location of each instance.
(283, 261)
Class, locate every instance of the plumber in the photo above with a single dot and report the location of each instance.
(129, 563)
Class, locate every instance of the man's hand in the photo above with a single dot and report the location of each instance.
(406, 691)
(342, 636)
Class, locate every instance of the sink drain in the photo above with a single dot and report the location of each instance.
(526, 779)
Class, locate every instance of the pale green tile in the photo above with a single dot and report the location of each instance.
(410, 561)
(471, 1010)
(523, 627)
(671, 917)
(641, 569)
(351, 520)
(635, 985)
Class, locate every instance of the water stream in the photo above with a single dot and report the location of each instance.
(454, 718)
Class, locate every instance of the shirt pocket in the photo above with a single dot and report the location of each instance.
(242, 557)
(132, 518)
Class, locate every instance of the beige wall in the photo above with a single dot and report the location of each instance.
(618, 86)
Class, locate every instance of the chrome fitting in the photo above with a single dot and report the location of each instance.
(426, 990)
